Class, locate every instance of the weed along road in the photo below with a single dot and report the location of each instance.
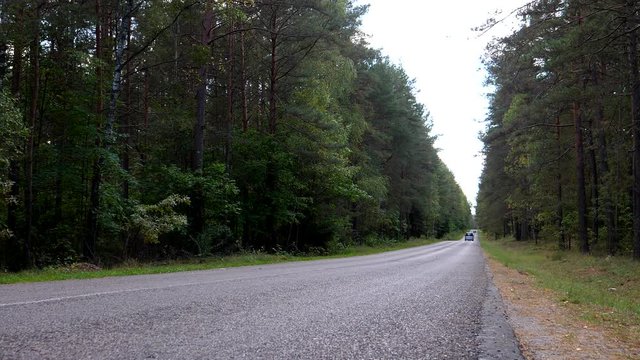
(430, 302)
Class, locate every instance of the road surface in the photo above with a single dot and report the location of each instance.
(431, 302)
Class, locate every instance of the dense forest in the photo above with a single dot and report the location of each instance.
(562, 142)
(156, 129)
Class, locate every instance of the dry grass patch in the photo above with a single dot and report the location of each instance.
(566, 305)
(549, 328)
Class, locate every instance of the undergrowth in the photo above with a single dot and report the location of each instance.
(606, 289)
(246, 258)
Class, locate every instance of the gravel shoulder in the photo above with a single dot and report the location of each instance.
(548, 328)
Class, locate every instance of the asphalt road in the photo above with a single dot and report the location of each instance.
(431, 302)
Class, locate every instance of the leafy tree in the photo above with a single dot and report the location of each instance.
(14, 131)
(275, 119)
(565, 68)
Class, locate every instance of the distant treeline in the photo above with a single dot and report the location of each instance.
(562, 143)
(159, 129)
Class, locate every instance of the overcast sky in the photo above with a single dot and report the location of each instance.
(435, 44)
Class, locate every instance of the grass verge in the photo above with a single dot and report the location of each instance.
(242, 259)
(604, 290)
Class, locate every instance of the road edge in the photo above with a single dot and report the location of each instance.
(497, 339)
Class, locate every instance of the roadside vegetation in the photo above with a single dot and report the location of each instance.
(560, 187)
(563, 130)
(604, 289)
(212, 128)
(247, 258)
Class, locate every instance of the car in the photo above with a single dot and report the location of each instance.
(468, 236)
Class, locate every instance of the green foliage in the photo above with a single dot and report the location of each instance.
(606, 287)
(218, 191)
(242, 258)
(400, 168)
(312, 140)
(12, 129)
(266, 175)
(13, 134)
(151, 221)
(550, 74)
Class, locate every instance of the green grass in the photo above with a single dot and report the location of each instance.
(607, 289)
(242, 259)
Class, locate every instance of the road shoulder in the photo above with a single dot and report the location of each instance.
(496, 338)
(548, 328)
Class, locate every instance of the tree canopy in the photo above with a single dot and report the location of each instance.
(159, 129)
(562, 142)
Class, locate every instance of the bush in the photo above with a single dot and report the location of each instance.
(151, 221)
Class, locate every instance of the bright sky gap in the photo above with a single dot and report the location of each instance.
(435, 43)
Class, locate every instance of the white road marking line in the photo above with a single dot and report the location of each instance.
(436, 249)
(80, 296)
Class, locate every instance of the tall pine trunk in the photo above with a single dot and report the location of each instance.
(228, 128)
(562, 243)
(15, 262)
(595, 179)
(33, 116)
(603, 166)
(243, 86)
(273, 69)
(127, 123)
(88, 245)
(580, 178)
(578, 119)
(633, 23)
(4, 66)
(197, 196)
(271, 177)
(201, 93)
(124, 22)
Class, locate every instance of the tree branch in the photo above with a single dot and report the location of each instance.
(156, 35)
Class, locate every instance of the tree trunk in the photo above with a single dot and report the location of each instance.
(145, 118)
(127, 123)
(603, 168)
(201, 94)
(559, 210)
(3, 62)
(33, 116)
(609, 210)
(16, 262)
(634, 22)
(243, 86)
(273, 78)
(59, 172)
(198, 133)
(197, 198)
(88, 246)
(109, 135)
(578, 116)
(116, 82)
(127, 126)
(4, 46)
(230, 93)
(595, 194)
(582, 197)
